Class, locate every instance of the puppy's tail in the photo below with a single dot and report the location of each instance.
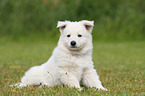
(17, 84)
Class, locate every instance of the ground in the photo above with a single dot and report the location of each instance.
(120, 65)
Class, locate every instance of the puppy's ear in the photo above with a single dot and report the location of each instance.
(61, 25)
(88, 25)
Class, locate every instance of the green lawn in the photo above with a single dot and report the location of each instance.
(121, 67)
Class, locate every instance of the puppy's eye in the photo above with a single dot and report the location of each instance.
(79, 35)
(68, 35)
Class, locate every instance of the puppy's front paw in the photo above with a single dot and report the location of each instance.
(80, 89)
(102, 88)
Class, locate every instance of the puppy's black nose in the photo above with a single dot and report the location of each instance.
(73, 43)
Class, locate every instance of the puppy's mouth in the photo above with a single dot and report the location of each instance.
(75, 48)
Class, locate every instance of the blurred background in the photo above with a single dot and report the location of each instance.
(36, 20)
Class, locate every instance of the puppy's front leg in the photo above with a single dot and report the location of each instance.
(91, 79)
(70, 80)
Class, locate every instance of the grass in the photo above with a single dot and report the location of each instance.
(120, 67)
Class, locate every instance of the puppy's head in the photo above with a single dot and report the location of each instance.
(75, 36)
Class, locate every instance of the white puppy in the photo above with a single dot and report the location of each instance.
(71, 61)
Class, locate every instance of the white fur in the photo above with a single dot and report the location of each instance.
(67, 65)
